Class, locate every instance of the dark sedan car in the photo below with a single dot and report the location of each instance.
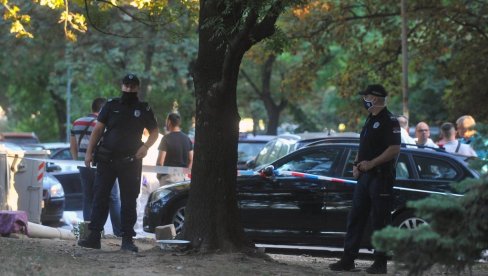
(67, 174)
(52, 200)
(282, 208)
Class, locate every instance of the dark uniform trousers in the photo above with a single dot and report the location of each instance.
(128, 171)
(372, 195)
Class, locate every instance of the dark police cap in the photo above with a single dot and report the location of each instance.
(374, 89)
(130, 79)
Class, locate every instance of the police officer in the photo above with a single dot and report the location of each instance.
(374, 168)
(119, 156)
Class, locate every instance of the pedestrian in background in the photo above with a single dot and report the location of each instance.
(468, 135)
(422, 133)
(455, 146)
(374, 168)
(175, 150)
(405, 136)
(80, 136)
(119, 154)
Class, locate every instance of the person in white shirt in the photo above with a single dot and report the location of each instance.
(454, 146)
(405, 137)
(422, 134)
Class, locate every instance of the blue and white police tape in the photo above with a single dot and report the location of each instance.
(337, 180)
(145, 168)
(179, 170)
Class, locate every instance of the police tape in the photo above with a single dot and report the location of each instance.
(338, 180)
(179, 170)
(145, 168)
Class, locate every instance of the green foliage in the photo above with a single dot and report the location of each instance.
(455, 236)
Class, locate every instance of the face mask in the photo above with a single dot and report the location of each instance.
(129, 97)
(367, 104)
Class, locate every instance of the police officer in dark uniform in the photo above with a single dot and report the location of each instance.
(119, 156)
(374, 168)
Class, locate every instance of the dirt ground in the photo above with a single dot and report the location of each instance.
(28, 256)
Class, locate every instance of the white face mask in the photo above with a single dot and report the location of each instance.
(368, 104)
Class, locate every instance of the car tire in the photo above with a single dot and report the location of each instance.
(177, 215)
(408, 220)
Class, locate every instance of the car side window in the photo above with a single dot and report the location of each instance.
(319, 162)
(403, 170)
(349, 163)
(431, 168)
(64, 154)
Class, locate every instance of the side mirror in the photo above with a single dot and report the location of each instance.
(268, 171)
(250, 164)
(51, 167)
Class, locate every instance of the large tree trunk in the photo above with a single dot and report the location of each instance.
(212, 217)
(212, 220)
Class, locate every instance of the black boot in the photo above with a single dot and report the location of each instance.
(378, 267)
(93, 241)
(128, 244)
(344, 264)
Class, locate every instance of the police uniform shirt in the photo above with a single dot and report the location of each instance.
(124, 125)
(378, 133)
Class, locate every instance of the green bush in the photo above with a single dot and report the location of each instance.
(456, 235)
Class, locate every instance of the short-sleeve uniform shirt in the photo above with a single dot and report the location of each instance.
(124, 125)
(378, 133)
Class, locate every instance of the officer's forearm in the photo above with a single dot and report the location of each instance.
(153, 137)
(390, 153)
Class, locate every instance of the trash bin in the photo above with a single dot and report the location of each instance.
(24, 183)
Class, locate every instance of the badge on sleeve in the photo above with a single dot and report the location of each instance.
(137, 113)
(376, 124)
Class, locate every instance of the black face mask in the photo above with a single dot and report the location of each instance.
(129, 97)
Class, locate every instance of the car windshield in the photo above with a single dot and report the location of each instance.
(247, 150)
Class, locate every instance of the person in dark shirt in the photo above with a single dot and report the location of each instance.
(175, 150)
(119, 154)
(374, 168)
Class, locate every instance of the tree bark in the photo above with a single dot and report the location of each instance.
(212, 219)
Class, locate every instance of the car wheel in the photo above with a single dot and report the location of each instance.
(177, 215)
(408, 220)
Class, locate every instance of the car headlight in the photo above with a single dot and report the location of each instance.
(52, 184)
(159, 194)
(57, 190)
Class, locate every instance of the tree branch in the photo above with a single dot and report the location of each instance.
(249, 80)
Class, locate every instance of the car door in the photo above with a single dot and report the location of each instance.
(339, 197)
(288, 208)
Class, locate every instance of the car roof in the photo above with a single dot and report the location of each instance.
(426, 150)
(54, 145)
(19, 137)
(249, 137)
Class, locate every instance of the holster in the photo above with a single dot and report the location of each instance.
(101, 154)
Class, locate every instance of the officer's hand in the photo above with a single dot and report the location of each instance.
(355, 172)
(365, 166)
(88, 160)
(141, 152)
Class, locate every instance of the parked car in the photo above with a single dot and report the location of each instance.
(52, 192)
(67, 174)
(19, 138)
(249, 146)
(293, 210)
(53, 200)
(287, 143)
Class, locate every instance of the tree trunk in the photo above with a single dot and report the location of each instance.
(212, 219)
(273, 110)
